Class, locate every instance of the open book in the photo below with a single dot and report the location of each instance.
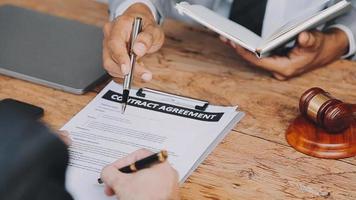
(312, 17)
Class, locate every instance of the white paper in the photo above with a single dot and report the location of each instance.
(251, 41)
(221, 25)
(101, 135)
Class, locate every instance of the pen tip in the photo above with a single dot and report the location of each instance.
(100, 181)
(123, 108)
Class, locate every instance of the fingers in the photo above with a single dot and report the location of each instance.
(65, 137)
(131, 158)
(279, 77)
(170, 174)
(306, 39)
(119, 54)
(149, 40)
(223, 39)
(266, 63)
(143, 72)
(109, 64)
(274, 64)
(114, 70)
(143, 42)
(297, 61)
(158, 182)
(110, 61)
(112, 52)
(108, 191)
(113, 178)
(166, 168)
(228, 42)
(282, 67)
(311, 40)
(116, 59)
(116, 39)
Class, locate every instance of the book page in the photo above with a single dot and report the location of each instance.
(317, 19)
(304, 15)
(101, 134)
(221, 25)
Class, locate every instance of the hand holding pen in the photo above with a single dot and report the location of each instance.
(117, 33)
(159, 181)
(143, 163)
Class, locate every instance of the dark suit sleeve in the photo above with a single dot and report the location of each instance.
(33, 160)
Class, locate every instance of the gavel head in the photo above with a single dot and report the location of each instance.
(327, 112)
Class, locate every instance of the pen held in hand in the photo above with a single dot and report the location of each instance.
(143, 163)
(136, 29)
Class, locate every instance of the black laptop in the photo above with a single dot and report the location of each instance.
(51, 51)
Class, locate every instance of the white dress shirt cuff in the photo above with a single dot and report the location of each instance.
(350, 36)
(127, 3)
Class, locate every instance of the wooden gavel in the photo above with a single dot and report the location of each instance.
(327, 112)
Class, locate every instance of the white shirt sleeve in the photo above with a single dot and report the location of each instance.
(350, 35)
(127, 3)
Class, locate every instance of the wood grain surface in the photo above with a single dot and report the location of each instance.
(254, 161)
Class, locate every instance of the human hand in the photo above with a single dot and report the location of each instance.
(314, 49)
(159, 182)
(117, 34)
(64, 136)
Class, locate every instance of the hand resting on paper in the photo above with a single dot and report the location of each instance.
(159, 182)
(117, 34)
(314, 49)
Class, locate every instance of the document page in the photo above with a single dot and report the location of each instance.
(221, 25)
(101, 134)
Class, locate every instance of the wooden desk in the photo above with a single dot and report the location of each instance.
(254, 161)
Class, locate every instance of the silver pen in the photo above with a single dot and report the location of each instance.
(136, 29)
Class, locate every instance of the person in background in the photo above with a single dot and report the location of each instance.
(34, 160)
(313, 49)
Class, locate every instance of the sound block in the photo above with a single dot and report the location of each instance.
(304, 136)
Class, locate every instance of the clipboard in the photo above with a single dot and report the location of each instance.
(157, 120)
(192, 103)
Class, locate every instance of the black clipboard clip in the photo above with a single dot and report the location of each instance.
(198, 104)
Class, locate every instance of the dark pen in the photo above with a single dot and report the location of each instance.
(136, 29)
(143, 163)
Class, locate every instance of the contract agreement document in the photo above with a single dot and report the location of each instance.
(101, 134)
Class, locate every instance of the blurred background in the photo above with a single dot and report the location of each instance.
(105, 1)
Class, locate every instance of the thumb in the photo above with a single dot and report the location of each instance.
(308, 39)
(113, 178)
(279, 77)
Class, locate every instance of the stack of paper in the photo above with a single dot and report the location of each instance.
(101, 135)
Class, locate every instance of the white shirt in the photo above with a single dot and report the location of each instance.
(278, 12)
